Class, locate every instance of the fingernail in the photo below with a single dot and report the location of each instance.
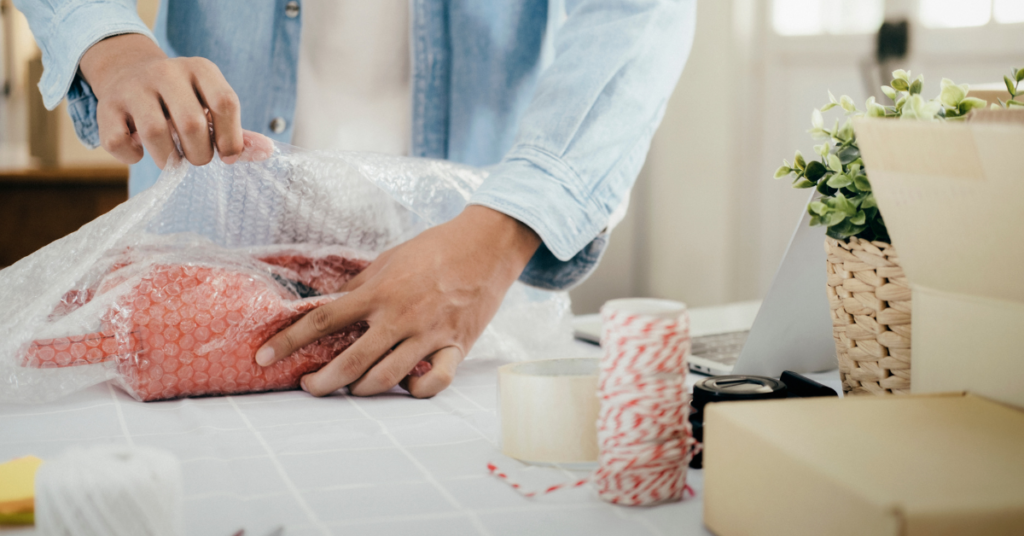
(265, 356)
(420, 369)
(302, 384)
(229, 159)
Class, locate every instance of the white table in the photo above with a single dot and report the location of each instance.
(342, 465)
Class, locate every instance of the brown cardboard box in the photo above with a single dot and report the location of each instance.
(948, 464)
(951, 196)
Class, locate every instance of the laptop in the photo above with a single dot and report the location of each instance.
(791, 330)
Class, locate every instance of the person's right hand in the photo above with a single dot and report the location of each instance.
(142, 93)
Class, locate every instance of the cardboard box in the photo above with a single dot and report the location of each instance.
(899, 465)
(952, 195)
(991, 92)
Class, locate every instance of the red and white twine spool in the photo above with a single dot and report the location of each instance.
(644, 437)
(643, 432)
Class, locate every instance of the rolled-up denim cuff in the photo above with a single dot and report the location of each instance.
(72, 31)
(536, 188)
(82, 109)
(547, 272)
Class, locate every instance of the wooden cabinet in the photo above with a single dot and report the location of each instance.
(38, 206)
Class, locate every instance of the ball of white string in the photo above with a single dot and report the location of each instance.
(110, 491)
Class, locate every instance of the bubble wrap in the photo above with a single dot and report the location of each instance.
(171, 293)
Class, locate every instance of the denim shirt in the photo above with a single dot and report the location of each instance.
(559, 97)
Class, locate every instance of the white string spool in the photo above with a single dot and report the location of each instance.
(644, 438)
(110, 491)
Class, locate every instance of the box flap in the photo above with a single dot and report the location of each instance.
(991, 92)
(1012, 116)
(951, 195)
(935, 461)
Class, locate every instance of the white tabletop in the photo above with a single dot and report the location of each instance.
(342, 465)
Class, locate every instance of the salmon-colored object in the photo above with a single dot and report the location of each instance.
(193, 330)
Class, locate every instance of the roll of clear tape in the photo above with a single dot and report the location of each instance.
(548, 410)
(110, 490)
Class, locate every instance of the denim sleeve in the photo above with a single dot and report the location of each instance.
(64, 30)
(585, 135)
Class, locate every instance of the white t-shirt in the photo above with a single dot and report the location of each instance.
(353, 79)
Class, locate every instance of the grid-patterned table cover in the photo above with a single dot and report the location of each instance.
(340, 465)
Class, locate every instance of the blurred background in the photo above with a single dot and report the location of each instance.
(707, 224)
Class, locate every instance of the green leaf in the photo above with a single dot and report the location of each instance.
(844, 205)
(840, 180)
(861, 181)
(822, 149)
(798, 160)
(1014, 104)
(921, 109)
(815, 170)
(815, 221)
(846, 133)
(916, 87)
(845, 230)
(900, 74)
(782, 172)
(824, 189)
(828, 106)
(835, 218)
(900, 85)
(834, 164)
(1020, 75)
(847, 103)
(816, 207)
(848, 154)
(818, 133)
(817, 121)
(1010, 86)
(868, 202)
(900, 103)
(889, 92)
(970, 103)
(859, 218)
(952, 95)
(803, 183)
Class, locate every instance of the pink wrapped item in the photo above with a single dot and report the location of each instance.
(193, 330)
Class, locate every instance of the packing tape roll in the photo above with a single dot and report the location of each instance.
(548, 410)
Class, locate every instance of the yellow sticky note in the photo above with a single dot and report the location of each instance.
(17, 490)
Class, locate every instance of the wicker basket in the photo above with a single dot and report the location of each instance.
(870, 302)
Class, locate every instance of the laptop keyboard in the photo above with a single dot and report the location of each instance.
(722, 348)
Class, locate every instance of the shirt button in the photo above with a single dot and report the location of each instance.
(278, 125)
(291, 9)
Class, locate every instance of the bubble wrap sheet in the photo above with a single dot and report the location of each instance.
(171, 293)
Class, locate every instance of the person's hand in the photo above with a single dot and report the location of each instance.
(142, 94)
(429, 298)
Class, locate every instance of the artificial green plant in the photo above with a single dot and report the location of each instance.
(846, 206)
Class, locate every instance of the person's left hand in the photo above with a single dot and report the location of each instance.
(429, 298)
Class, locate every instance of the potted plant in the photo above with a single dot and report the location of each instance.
(868, 292)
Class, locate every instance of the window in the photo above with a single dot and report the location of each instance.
(964, 13)
(815, 17)
(1009, 11)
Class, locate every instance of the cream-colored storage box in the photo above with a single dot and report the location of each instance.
(952, 195)
(909, 465)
